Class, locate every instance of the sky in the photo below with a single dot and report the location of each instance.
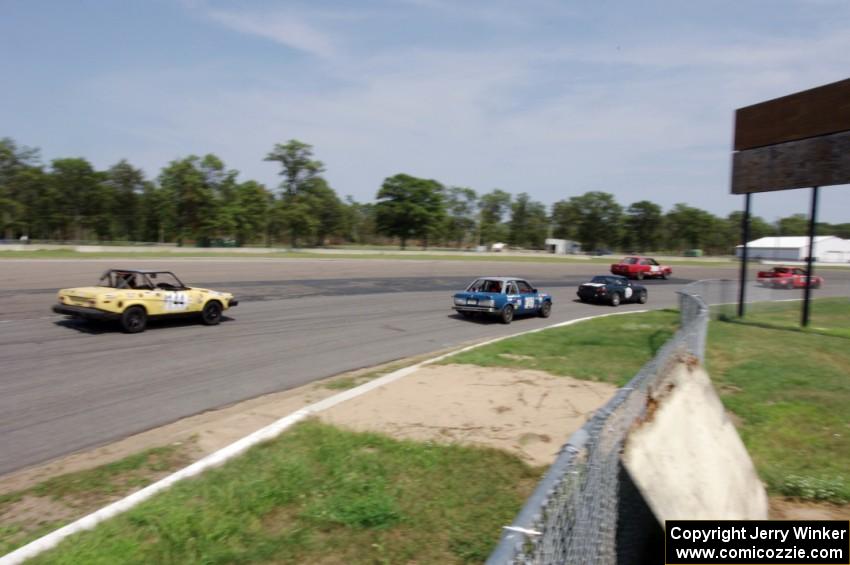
(552, 98)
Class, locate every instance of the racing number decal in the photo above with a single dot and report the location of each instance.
(628, 292)
(529, 302)
(176, 301)
(655, 268)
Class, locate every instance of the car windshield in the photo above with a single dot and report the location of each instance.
(629, 260)
(144, 281)
(603, 280)
(485, 285)
(167, 281)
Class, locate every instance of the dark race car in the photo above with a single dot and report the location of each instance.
(612, 289)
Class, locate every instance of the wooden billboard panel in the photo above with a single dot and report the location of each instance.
(819, 161)
(820, 111)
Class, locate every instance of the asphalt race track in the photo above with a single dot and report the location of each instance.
(66, 385)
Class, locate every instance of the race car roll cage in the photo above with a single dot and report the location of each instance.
(139, 279)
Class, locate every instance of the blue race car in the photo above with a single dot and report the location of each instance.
(503, 297)
(612, 289)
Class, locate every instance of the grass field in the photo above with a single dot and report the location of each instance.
(28, 514)
(788, 388)
(321, 495)
(828, 316)
(610, 349)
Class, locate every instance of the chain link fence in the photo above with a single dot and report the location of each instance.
(586, 509)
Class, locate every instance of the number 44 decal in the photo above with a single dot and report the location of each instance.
(176, 301)
(529, 302)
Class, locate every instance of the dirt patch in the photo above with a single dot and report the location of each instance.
(789, 509)
(32, 511)
(529, 413)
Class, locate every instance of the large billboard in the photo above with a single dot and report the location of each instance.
(796, 141)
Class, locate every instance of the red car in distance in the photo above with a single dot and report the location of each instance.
(637, 267)
(788, 277)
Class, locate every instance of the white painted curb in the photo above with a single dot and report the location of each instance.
(52, 539)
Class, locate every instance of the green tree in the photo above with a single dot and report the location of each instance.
(126, 184)
(492, 209)
(797, 224)
(643, 223)
(409, 207)
(185, 183)
(565, 220)
(358, 221)
(758, 228)
(599, 218)
(460, 207)
(838, 230)
(22, 189)
(688, 226)
(158, 214)
(529, 223)
(80, 204)
(326, 207)
(250, 211)
(298, 168)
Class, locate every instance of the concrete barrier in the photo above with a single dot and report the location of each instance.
(686, 457)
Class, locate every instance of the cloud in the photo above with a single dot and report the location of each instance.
(552, 117)
(283, 28)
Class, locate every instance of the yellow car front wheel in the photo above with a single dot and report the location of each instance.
(211, 314)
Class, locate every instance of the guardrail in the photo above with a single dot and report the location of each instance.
(586, 510)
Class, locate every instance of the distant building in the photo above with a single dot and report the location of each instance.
(827, 249)
(562, 246)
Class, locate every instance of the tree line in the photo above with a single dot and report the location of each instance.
(197, 200)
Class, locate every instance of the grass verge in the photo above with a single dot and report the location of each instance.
(318, 494)
(412, 256)
(610, 349)
(790, 391)
(828, 316)
(28, 514)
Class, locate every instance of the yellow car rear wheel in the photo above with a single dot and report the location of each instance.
(134, 319)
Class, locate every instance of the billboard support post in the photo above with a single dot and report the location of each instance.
(810, 260)
(745, 235)
(801, 140)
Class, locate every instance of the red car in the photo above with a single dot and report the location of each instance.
(788, 277)
(636, 267)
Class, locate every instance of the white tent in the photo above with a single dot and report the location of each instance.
(828, 248)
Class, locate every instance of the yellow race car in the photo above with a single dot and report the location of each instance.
(133, 296)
